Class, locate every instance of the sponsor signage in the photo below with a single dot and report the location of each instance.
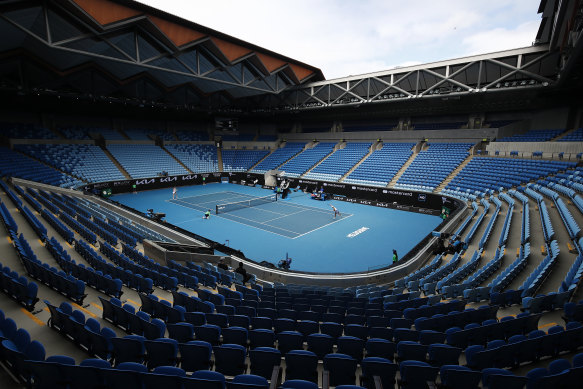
(406, 200)
(357, 232)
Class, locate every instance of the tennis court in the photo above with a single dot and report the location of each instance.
(303, 228)
(278, 217)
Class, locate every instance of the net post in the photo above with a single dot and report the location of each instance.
(216, 209)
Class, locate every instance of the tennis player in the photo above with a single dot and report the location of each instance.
(174, 193)
(336, 212)
(207, 214)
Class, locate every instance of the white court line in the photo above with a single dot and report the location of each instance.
(297, 206)
(177, 202)
(284, 229)
(257, 207)
(305, 233)
(307, 207)
(214, 193)
(245, 224)
(282, 216)
(302, 208)
(184, 221)
(185, 206)
(257, 228)
(263, 223)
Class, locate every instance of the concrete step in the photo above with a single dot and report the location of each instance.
(373, 147)
(116, 163)
(402, 170)
(453, 174)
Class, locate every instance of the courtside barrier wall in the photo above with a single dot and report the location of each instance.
(412, 201)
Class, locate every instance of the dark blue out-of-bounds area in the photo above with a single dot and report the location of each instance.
(361, 238)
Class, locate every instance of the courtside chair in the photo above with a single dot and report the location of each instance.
(459, 377)
(88, 374)
(309, 316)
(175, 314)
(218, 319)
(161, 352)
(164, 377)
(409, 350)
(230, 359)
(48, 374)
(302, 365)
(307, 327)
(359, 319)
(269, 312)
(380, 332)
(135, 322)
(154, 329)
(100, 343)
(204, 379)
(182, 332)
(493, 378)
(342, 369)
(107, 314)
(130, 348)
(333, 329)
(228, 310)
(381, 367)
(400, 334)
(261, 338)
(320, 344)
(235, 335)
(195, 318)
(239, 321)
(377, 321)
(416, 374)
(376, 347)
(440, 354)
(350, 345)
(263, 360)
(428, 337)
(126, 375)
(289, 340)
(299, 384)
(248, 381)
(287, 314)
(195, 355)
(209, 333)
(356, 330)
(259, 322)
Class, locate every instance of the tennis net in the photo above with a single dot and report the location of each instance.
(228, 207)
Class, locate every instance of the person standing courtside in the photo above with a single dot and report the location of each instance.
(336, 211)
(241, 270)
(395, 256)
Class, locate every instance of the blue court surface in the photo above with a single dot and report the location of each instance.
(361, 238)
(283, 217)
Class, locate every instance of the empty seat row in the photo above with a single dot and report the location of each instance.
(16, 347)
(18, 287)
(60, 281)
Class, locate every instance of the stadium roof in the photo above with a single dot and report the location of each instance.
(125, 51)
(124, 48)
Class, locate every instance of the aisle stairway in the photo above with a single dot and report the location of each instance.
(402, 170)
(453, 174)
(370, 151)
(177, 160)
(116, 163)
